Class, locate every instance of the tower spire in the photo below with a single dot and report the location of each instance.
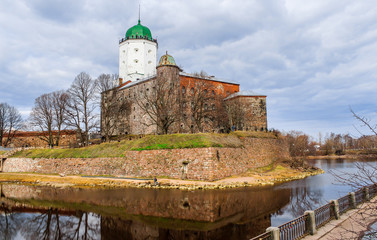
(139, 13)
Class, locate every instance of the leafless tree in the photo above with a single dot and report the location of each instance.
(236, 113)
(42, 117)
(202, 99)
(159, 103)
(10, 123)
(59, 105)
(114, 106)
(365, 175)
(81, 106)
(105, 82)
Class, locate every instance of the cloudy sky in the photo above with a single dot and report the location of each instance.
(313, 59)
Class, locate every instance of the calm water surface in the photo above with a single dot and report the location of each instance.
(29, 212)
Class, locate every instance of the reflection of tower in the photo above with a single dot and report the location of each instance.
(137, 54)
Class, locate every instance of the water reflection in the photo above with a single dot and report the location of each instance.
(137, 213)
(30, 212)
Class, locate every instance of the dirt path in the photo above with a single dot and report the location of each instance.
(253, 178)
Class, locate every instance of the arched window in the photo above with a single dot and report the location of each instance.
(205, 92)
(213, 93)
(213, 106)
(192, 91)
(183, 90)
(205, 106)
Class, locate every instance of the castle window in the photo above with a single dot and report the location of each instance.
(136, 61)
(205, 106)
(213, 93)
(134, 108)
(147, 105)
(227, 93)
(205, 92)
(192, 91)
(183, 90)
(213, 106)
(136, 49)
(184, 104)
(149, 62)
(149, 51)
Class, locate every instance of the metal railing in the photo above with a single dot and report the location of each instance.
(301, 226)
(294, 229)
(359, 196)
(324, 214)
(344, 204)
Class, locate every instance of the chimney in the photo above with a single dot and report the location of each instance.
(120, 81)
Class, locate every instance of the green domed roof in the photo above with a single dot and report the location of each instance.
(139, 31)
(166, 60)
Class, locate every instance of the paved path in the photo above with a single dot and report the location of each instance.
(351, 225)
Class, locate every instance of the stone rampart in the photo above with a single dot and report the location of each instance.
(196, 163)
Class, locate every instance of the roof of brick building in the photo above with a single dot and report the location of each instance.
(247, 93)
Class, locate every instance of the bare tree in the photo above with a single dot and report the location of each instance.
(10, 123)
(159, 104)
(236, 113)
(59, 105)
(201, 102)
(105, 82)
(42, 117)
(114, 106)
(82, 105)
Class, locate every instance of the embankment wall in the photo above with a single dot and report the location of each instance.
(197, 163)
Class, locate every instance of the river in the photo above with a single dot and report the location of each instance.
(31, 212)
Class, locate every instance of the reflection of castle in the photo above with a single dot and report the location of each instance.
(137, 213)
(194, 102)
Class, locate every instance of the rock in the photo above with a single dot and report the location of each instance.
(61, 174)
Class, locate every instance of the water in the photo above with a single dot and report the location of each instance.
(30, 212)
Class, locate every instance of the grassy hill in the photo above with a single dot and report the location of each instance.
(149, 142)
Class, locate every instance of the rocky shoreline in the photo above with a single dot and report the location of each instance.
(268, 178)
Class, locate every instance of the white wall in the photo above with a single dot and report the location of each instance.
(137, 59)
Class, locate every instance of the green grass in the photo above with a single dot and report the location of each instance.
(149, 142)
(2, 152)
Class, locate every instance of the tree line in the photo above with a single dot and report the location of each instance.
(75, 108)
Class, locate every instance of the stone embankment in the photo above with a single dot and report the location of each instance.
(206, 164)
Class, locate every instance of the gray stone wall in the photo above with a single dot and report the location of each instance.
(196, 163)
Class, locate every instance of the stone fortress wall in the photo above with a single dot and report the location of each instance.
(197, 163)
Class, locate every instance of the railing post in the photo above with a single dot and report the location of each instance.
(311, 224)
(352, 199)
(366, 193)
(275, 232)
(335, 206)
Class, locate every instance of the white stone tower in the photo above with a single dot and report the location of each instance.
(137, 54)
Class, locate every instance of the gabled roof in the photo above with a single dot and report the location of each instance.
(247, 93)
(208, 78)
(137, 82)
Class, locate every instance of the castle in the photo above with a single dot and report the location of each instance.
(160, 99)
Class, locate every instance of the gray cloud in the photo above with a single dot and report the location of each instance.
(313, 59)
